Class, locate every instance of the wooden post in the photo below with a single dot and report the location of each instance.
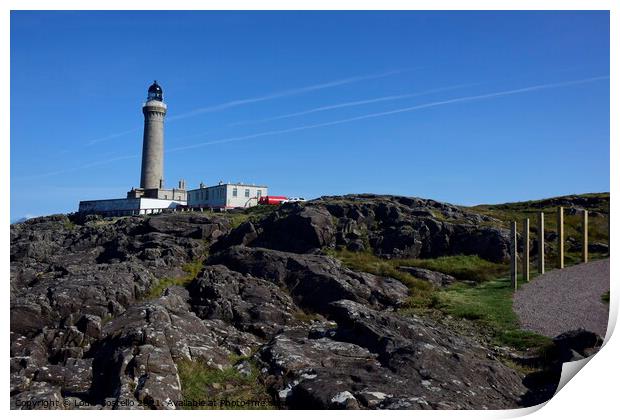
(541, 243)
(513, 255)
(560, 237)
(526, 250)
(584, 240)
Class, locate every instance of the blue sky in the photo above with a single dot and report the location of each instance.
(465, 107)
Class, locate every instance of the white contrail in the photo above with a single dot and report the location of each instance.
(330, 123)
(281, 94)
(395, 111)
(77, 168)
(239, 102)
(112, 136)
(353, 103)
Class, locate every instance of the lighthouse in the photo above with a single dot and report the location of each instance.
(152, 170)
(151, 196)
(154, 110)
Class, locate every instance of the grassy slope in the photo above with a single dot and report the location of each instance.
(598, 229)
(225, 389)
(192, 269)
(488, 303)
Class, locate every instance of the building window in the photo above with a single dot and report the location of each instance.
(247, 192)
(235, 192)
(258, 193)
(207, 194)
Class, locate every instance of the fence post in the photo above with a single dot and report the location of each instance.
(526, 250)
(513, 255)
(560, 237)
(541, 243)
(584, 241)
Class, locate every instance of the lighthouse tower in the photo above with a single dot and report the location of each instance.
(154, 110)
(152, 196)
(152, 171)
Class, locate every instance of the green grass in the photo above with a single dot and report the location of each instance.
(200, 382)
(421, 292)
(251, 214)
(259, 212)
(68, 224)
(192, 269)
(306, 317)
(236, 219)
(488, 303)
(605, 297)
(598, 227)
(106, 319)
(463, 267)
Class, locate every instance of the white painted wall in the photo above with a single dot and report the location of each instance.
(128, 205)
(154, 203)
(246, 195)
(224, 196)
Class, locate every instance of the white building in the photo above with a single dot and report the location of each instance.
(128, 206)
(225, 196)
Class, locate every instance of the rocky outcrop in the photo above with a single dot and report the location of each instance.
(372, 359)
(386, 225)
(61, 269)
(313, 280)
(570, 346)
(132, 361)
(69, 275)
(136, 361)
(436, 278)
(248, 303)
(88, 332)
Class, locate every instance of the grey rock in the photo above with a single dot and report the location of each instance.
(323, 336)
(249, 303)
(598, 247)
(313, 280)
(435, 277)
(378, 359)
(389, 226)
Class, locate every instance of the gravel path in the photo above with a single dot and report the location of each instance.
(567, 299)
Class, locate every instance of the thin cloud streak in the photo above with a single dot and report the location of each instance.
(353, 103)
(342, 121)
(396, 111)
(239, 102)
(112, 136)
(284, 93)
(77, 168)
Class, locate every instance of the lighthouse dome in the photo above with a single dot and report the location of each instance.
(155, 92)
